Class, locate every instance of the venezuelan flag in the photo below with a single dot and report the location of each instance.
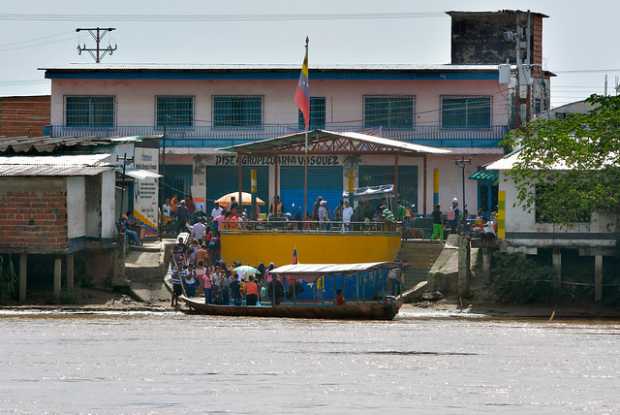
(302, 93)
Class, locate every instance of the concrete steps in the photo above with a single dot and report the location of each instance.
(419, 255)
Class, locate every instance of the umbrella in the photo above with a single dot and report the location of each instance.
(246, 270)
(246, 199)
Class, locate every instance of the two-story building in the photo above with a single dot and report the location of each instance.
(201, 108)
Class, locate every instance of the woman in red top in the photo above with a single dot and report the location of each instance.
(251, 292)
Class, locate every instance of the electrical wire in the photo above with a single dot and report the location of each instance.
(268, 17)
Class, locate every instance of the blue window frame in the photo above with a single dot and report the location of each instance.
(174, 111)
(237, 111)
(89, 111)
(317, 114)
(466, 112)
(389, 111)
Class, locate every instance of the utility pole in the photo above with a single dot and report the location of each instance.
(97, 33)
(125, 160)
(462, 162)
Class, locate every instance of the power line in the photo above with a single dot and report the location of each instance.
(44, 17)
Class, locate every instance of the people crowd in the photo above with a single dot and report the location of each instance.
(196, 269)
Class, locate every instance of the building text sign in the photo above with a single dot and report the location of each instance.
(290, 160)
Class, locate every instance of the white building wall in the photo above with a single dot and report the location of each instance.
(108, 203)
(76, 207)
(522, 220)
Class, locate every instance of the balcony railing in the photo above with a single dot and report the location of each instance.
(208, 136)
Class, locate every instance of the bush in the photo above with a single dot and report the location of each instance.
(518, 279)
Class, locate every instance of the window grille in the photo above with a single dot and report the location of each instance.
(466, 112)
(237, 111)
(175, 111)
(317, 114)
(89, 111)
(389, 111)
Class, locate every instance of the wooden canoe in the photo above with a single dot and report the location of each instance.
(385, 310)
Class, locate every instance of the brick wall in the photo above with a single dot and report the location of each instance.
(24, 116)
(33, 216)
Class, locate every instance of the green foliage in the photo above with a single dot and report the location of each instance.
(576, 160)
(520, 280)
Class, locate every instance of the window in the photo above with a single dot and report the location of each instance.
(237, 111)
(317, 114)
(175, 111)
(89, 111)
(537, 106)
(389, 112)
(466, 112)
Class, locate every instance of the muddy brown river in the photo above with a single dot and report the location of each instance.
(150, 363)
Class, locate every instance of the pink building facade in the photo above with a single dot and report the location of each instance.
(200, 109)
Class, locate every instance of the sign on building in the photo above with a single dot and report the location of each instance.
(146, 190)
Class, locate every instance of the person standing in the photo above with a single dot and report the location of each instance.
(347, 214)
(323, 214)
(182, 217)
(216, 211)
(275, 210)
(251, 292)
(207, 285)
(198, 230)
(437, 224)
(276, 290)
(454, 215)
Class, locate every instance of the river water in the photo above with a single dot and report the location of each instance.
(168, 363)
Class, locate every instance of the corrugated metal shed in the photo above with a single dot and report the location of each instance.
(325, 268)
(80, 165)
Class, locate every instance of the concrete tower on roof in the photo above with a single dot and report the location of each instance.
(479, 37)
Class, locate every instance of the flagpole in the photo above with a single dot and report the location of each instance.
(306, 156)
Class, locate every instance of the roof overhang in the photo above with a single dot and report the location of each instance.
(445, 72)
(334, 143)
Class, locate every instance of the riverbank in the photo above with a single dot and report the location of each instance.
(93, 301)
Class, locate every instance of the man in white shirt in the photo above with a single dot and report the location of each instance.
(216, 211)
(198, 230)
(347, 214)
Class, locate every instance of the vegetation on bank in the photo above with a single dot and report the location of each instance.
(570, 167)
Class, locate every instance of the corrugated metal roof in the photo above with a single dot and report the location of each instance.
(485, 175)
(325, 268)
(78, 165)
(325, 135)
(47, 144)
(268, 66)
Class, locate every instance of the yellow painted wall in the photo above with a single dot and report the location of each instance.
(265, 247)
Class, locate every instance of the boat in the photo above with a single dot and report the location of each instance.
(364, 286)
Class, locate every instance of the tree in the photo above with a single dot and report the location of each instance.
(570, 166)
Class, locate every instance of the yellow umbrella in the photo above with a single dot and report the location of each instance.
(246, 199)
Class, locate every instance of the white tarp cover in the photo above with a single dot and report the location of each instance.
(324, 268)
(139, 174)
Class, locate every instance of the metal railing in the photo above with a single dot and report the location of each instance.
(310, 227)
(206, 136)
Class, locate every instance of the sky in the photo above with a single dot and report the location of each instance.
(578, 36)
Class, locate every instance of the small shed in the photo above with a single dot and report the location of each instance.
(56, 205)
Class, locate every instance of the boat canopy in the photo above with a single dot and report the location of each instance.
(325, 268)
(371, 192)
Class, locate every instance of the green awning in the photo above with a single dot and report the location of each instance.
(485, 176)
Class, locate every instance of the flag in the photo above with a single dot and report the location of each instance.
(294, 259)
(302, 93)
